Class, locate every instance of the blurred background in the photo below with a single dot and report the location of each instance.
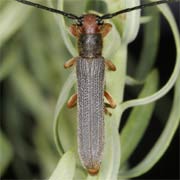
(32, 55)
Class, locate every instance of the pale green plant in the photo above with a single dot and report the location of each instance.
(31, 71)
(136, 125)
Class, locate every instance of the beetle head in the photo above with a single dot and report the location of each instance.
(89, 24)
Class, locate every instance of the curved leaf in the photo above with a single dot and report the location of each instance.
(138, 120)
(150, 44)
(60, 103)
(66, 167)
(127, 24)
(132, 22)
(63, 29)
(137, 102)
(163, 142)
(172, 124)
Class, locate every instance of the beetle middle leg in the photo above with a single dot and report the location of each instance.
(111, 103)
(70, 63)
(106, 105)
(110, 65)
(72, 101)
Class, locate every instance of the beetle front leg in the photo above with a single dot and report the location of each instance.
(110, 65)
(70, 63)
(72, 101)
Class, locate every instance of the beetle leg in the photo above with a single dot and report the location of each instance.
(109, 98)
(70, 63)
(106, 28)
(72, 101)
(106, 110)
(110, 65)
(75, 30)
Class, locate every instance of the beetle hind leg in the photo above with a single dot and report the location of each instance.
(72, 101)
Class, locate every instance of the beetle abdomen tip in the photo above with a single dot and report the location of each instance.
(93, 172)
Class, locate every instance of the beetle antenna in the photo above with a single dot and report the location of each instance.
(142, 6)
(68, 15)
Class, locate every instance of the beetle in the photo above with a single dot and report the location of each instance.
(90, 29)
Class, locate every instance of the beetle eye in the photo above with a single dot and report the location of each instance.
(99, 21)
(79, 21)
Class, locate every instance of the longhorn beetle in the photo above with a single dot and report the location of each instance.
(90, 29)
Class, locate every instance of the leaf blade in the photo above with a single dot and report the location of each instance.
(136, 123)
(66, 167)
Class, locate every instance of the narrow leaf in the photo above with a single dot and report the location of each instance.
(60, 103)
(6, 153)
(172, 124)
(132, 22)
(142, 101)
(65, 168)
(132, 82)
(150, 44)
(138, 120)
(163, 142)
(11, 19)
(8, 64)
(64, 31)
(111, 158)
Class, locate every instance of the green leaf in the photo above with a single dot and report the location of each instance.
(132, 22)
(138, 120)
(11, 19)
(172, 124)
(29, 94)
(111, 43)
(142, 101)
(111, 157)
(67, 130)
(6, 153)
(64, 31)
(79, 173)
(63, 97)
(150, 44)
(133, 82)
(99, 6)
(47, 158)
(145, 19)
(65, 169)
(162, 143)
(127, 24)
(8, 64)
